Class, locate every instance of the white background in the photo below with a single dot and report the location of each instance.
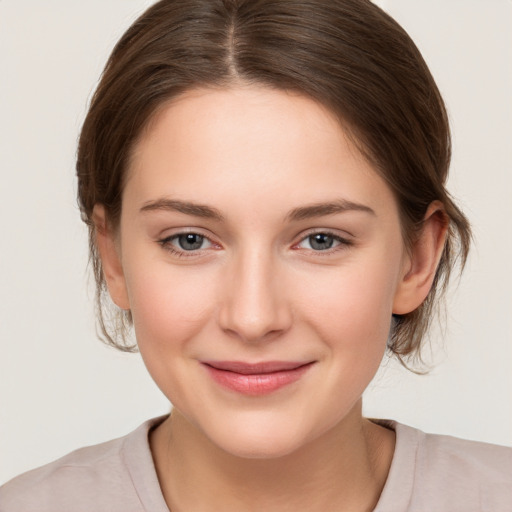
(60, 388)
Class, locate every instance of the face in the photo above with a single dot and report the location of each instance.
(261, 257)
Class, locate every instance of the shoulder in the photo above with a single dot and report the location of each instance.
(83, 480)
(65, 483)
(439, 472)
(472, 460)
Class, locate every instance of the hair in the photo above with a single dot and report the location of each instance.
(347, 55)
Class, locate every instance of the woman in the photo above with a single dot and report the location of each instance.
(264, 186)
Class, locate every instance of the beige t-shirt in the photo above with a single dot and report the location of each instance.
(429, 473)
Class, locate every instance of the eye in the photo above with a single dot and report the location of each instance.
(186, 242)
(320, 241)
(323, 241)
(190, 241)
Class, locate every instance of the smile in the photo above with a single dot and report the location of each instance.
(256, 379)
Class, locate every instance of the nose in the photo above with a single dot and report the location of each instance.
(254, 307)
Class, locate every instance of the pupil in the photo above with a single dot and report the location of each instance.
(321, 241)
(190, 242)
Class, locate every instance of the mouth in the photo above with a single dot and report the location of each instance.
(258, 378)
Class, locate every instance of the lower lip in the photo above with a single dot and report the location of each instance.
(257, 384)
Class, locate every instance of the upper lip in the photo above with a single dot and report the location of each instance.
(256, 368)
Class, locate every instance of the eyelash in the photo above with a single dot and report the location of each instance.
(166, 243)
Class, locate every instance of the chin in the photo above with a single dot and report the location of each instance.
(259, 447)
(260, 438)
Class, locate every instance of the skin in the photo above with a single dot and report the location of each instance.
(258, 289)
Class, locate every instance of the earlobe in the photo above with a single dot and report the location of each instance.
(421, 266)
(110, 259)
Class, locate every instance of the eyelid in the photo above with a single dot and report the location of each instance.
(185, 230)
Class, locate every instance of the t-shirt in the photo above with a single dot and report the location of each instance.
(429, 473)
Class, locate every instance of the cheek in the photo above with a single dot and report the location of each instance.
(169, 306)
(352, 308)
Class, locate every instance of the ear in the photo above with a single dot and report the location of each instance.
(110, 259)
(421, 264)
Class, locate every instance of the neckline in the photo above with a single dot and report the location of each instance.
(397, 492)
(395, 496)
(137, 457)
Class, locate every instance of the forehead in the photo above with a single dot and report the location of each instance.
(247, 146)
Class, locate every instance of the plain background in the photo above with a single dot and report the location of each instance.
(61, 389)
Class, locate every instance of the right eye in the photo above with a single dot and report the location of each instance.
(183, 243)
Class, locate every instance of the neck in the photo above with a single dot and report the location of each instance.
(344, 469)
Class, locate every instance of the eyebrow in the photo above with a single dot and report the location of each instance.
(330, 208)
(300, 213)
(186, 207)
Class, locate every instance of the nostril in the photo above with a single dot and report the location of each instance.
(255, 328)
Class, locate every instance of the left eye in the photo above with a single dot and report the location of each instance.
(189, 242)
(320, 242)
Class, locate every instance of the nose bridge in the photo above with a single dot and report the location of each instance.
(255, 305)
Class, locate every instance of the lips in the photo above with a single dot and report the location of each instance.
(258, 378)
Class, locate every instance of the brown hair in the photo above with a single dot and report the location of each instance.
(346, 54)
